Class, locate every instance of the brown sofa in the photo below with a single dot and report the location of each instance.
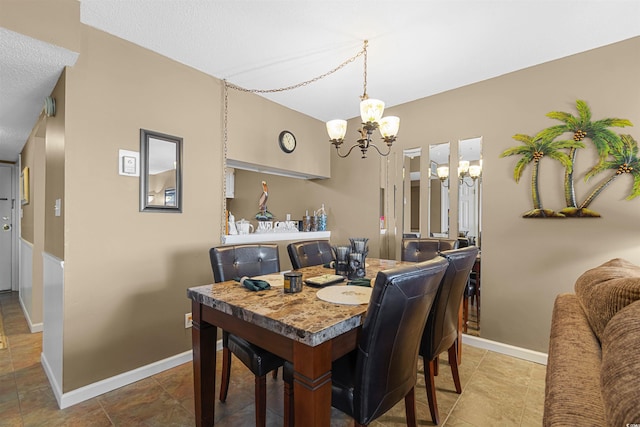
(593, 369)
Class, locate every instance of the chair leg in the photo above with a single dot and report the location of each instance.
(453, 362)
(261, 401)
(430, 384)
(436, 366)
(410, 408)
(226, 373)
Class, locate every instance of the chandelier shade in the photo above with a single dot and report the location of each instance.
(443, 172)
(371, 110)
(389, 126)
(475, 171)
(337, 129)
(463, 167)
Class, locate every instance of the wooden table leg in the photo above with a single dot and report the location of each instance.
(203, 336)
(312, 384)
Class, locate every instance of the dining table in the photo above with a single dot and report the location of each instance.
(299, 327)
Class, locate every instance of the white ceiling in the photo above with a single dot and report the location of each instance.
(416, 48)
(29, 70)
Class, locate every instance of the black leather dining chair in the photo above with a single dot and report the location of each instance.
(228, 263)
(309, 252)
(422, 249)
(382, 370)
(441, 331)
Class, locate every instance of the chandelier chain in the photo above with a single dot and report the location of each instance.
(225, 121)
(364, 92)
(315, 79)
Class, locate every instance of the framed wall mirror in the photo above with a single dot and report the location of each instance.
(470, 189)
(160, 172)
(439, 190)
(411, 193)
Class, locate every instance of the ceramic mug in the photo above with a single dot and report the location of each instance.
(244, 227)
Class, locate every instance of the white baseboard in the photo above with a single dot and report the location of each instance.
(33, 327)
(509, 350)
(92, 390)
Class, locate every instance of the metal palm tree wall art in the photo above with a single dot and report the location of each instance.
(615, 152)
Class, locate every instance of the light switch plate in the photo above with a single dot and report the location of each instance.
(128, 163)
(56, 208)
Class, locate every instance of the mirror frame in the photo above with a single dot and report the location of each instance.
(445, 191)
(408, 156)
(145, 137)
(466, 153)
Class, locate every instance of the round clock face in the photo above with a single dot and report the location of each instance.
(287, 141)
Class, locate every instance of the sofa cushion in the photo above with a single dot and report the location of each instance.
(620, 372)
(604, 290)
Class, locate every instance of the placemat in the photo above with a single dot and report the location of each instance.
(349, 295)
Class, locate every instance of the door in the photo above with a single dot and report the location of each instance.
(6, 227)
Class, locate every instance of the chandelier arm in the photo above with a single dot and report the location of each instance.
(380, 152)
(348, 152)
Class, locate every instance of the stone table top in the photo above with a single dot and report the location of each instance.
(300, 316)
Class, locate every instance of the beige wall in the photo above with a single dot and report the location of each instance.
(27, 159)
(526, 262)
(56, 22)
(126, 272)
(32, 220)
(254, 125)
(54, 231)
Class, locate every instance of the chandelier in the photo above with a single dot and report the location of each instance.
(371, 111)
(465, 169)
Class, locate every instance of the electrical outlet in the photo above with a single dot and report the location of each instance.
(187, 320)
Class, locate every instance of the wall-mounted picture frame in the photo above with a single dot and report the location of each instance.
(24, 186)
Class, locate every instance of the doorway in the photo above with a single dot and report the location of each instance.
(6, 227)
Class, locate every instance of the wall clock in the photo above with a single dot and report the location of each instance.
(287, 141)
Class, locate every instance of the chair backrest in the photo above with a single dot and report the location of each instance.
(386, 366)
(442, 324)
(463, 242)
(309, 252)
(423, 249)
(448, 244)
(229, 262)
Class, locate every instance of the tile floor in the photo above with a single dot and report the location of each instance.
(497, 391)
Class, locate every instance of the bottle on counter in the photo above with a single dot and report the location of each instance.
(306, 222)
(321, 215)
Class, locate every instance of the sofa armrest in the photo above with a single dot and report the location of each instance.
(572, 387)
